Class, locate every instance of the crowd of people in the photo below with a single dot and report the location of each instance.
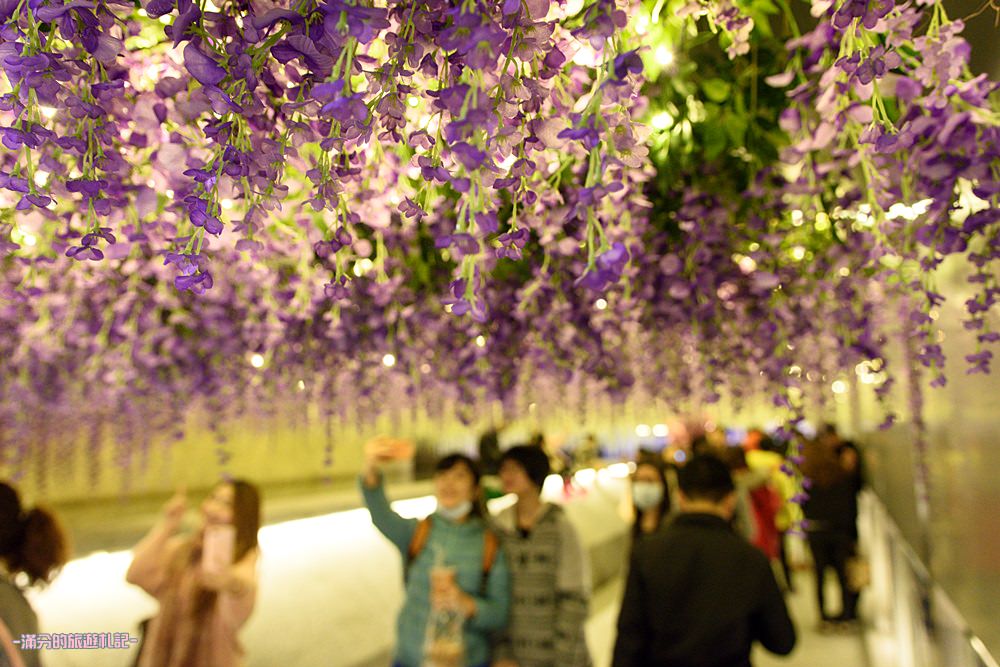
(512, 589)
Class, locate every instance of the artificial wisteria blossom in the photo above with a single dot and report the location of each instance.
(440, 204)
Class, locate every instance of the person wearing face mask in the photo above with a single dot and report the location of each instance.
(650, 499)
(550, 573)
(451, 560)
(205, 583)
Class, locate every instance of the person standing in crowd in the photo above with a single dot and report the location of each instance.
(550, 572)
(451, 558)
(831, 513)
(33, 545)
(651, 497)
(776, 512)
(697, 594)
(746, 481)
(206, 583)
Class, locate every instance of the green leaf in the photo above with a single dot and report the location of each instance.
(715, 139)
(716, 90)
(736, 128)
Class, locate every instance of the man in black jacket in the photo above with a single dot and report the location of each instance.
(698, 594)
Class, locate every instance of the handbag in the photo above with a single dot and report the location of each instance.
(859, 573)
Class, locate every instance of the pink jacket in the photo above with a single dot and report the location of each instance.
(177, 637)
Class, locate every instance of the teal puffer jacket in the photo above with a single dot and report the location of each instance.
(462, 545)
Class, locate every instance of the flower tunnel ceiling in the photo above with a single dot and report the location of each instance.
(234, 203)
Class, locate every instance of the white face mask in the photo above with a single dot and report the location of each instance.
(647, 495)
(457, 512)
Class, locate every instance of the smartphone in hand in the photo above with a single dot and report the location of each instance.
(218, 548)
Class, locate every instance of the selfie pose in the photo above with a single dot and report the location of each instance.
(457, 582)
(205, 583)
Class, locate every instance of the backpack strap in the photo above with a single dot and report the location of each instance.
(417, 543)
(491, 545)
(8, 648)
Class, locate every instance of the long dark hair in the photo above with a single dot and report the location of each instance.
(246, 517)
(32, 541)
(821, 464)
(663, 507)
(246, 520)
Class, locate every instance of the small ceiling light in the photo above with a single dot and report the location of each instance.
(662, 121)
(664, 56)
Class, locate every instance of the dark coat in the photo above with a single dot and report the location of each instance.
(699, 595)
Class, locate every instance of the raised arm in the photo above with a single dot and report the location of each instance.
(152, 555)
(396, 528)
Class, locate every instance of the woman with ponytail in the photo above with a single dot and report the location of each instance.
(205, 583)
(33, 546)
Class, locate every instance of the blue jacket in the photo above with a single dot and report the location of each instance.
(462, 545)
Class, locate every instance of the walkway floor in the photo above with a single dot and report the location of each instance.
(812, 650)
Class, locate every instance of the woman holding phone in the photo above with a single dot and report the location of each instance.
(457, 582)
(205, 582)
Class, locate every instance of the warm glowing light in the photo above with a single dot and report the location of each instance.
(900, 210)
(257, 360)
(389, 360)
(481, 341)
(661, 430)
(619, 470)
(747, 264)
(797, 218)
(600, 304)
(839, 387)
(425, 368)
(844, 271)
(585, 477)
(664, 56)
(413, 101)
(662, 120)
(302, 385)
(23, 238)
(798, 253)
(643, 430)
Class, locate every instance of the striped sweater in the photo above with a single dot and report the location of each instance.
(550, 590)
